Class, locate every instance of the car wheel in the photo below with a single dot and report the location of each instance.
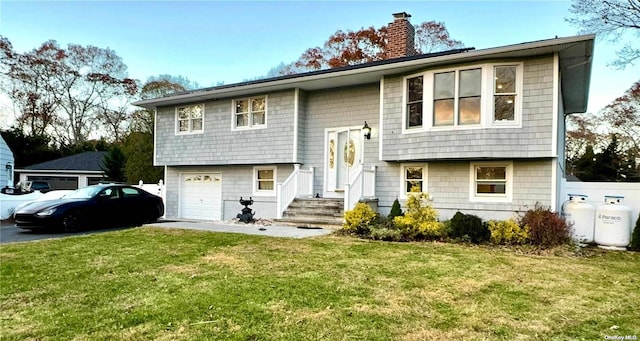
(151, 217)
(72, 222)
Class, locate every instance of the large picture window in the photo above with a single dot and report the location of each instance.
(456, 97)
(250, 112)
(189, 119)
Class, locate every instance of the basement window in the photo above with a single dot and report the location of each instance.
(264, 181)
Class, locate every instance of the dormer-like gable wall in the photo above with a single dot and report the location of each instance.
(252, 129)
(529, 133)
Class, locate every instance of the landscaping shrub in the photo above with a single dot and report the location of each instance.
(545, 228)
(507, 232)
(396, 210)
(359, 220)
(468, 227)
(635, 237)
(389, 234)
(420, 220)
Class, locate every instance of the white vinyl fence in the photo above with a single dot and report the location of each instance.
(155, 189)
(597, 190)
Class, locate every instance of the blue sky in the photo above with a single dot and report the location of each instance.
(217, 41)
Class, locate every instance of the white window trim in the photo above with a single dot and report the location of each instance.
(251, 126)
(425, 179)
(507, 197)
(190, 131)
(486, 104)
(256, 191)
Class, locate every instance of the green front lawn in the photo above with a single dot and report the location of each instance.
(151, 283)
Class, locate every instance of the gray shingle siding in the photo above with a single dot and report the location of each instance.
(449, 182)
(219, 144)
(334, 108)
(237, 181)
(533, 140)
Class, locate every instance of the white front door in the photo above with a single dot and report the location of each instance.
(344, 155)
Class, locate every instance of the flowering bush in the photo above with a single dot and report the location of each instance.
(507, 232)
(359, 219)
(420, 221)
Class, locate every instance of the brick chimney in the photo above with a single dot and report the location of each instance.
(400, 37)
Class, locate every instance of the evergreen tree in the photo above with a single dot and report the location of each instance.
(113, 164)
(607, 163)
(635, 237)
(396, 210)
(138, 151)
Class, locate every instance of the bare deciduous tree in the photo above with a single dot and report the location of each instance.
(68, 93)
(610, 19)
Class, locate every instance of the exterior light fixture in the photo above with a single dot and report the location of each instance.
(366, 131)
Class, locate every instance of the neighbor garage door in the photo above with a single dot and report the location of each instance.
(57, 182)
(201, 196)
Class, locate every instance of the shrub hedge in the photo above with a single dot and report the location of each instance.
(538, 226)
(635, 237)
(468, 227)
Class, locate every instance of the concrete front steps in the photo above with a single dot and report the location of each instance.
(314, 212)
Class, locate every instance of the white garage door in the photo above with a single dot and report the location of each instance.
(201, 196)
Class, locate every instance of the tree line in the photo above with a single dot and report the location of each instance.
(76, 99)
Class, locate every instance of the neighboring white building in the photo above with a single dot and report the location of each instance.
(7, 163)
(69, 172)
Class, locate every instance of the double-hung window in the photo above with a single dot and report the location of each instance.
(414, 102)
(264, 182)
(504, 97)
(250, 112)
(189, 119)
(491, 181)
(414, 179)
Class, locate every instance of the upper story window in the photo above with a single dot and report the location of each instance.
(250, 112)
(456, 97)
(189, 119)
(414, 102)
(504, 97)
(491, 181)
(483, 96)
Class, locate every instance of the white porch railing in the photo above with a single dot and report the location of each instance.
(361, 186)
(298, 184)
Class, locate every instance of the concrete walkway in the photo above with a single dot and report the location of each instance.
(256, 229)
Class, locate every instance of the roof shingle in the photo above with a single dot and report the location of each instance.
(87, 161)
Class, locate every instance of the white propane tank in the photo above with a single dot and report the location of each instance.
(580, 215)
(613, 224)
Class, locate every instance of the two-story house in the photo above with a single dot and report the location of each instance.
(482, 131)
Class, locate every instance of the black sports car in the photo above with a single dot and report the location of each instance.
(99, 205)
